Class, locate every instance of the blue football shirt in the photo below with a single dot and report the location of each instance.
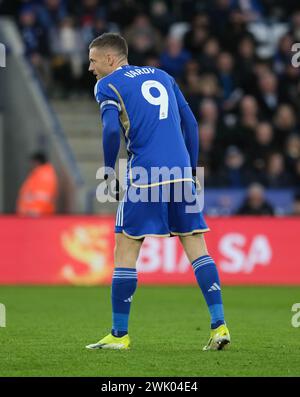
(148, 101)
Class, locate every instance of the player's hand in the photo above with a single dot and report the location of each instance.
(196, 181)
(113, 185)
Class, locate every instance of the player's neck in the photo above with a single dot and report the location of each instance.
(121, 63)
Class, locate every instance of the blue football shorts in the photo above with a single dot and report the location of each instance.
(164, 210)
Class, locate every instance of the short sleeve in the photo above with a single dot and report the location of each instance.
(106, 97)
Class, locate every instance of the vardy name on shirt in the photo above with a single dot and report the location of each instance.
(138, 72)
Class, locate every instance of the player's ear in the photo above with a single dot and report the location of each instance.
(110, 59)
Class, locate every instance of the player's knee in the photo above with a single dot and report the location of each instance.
(194, 246)
(126, 251)
(203, 247)
(118, 253)
(115, 252)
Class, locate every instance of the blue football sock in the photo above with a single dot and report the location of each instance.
(208, 279)
(124, 284)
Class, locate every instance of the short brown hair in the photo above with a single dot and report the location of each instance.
(112, 40)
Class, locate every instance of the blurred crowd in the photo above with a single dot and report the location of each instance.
(231, 58)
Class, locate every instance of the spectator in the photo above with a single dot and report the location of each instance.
(284, 54)
(255, 202)
(241, 131)
(162, 18)
(246, 61)
(36, 42)
(38, 193)
(142, 38)
(122, 13)
(235, 30)
(225, 73)
(208, 57)
(50, 13)
(249, 112)
(292, 152)
(89, 11)
(201, 87)
(210, 152)
(192, 67)
(284, 122)
(209, 87)
(219, 15)
(196, 37)
(275, 175)
(291, 83)
(262, 147)
(210, 115)
(174, 58)
(192, 88)
(235, 173)
(34, 36)
(208, 112)
(260, 68)
(269, 96)
(295, 28)
(68, 55)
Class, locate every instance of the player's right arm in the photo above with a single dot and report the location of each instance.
(109, 108)
(111, 137)
(189, 126)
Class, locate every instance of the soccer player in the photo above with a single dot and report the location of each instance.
(160, 131)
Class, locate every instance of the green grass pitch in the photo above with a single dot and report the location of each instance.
(48, 328)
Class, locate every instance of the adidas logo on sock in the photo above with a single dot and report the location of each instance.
(214, 287)
(129, 300)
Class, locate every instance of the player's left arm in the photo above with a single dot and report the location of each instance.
(189, 126)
